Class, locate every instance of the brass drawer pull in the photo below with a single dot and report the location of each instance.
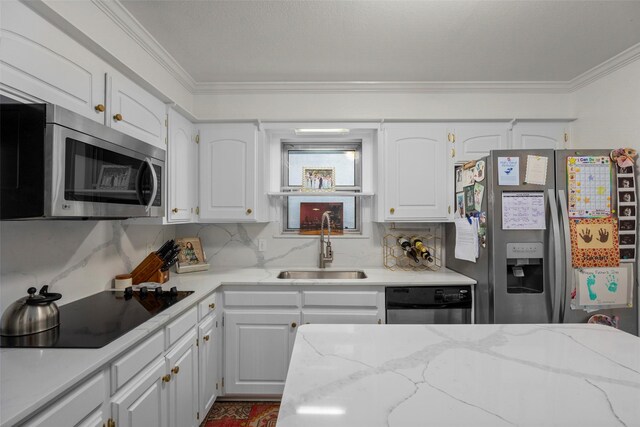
(206, 338)
(212, 305)
(249, 211)
(294, 324)
(166, 378)
(176, 370)
(99, 108)
(392, 211)
(117, 117)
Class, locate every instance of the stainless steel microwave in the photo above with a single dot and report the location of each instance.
(55, 163)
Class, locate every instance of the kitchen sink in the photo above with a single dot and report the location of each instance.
(318, 274)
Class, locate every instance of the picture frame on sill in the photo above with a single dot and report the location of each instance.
(318, 178)
(114, 177)
(311, 217)
(191, 256)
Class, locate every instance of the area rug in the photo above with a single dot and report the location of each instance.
(242, 414)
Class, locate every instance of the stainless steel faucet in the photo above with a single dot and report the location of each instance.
(326, 254)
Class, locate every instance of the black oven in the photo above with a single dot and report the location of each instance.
(58, 164)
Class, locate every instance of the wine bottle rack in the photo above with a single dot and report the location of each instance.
(395, 259)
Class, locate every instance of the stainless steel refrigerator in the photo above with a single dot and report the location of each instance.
(526, 276)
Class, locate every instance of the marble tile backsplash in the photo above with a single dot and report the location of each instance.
(75, 258)
(236, 245)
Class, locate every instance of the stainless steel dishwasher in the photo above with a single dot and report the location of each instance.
(428, 305)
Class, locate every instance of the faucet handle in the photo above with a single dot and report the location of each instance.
(329, 250)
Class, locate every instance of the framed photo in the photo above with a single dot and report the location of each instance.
(627, 211)
(191, 253)
(626, 196)
(311, 217)
(114, 177)
(625, 182)
(315, 178)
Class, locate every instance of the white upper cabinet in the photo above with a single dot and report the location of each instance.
(230, 177)
(417, 168)
(134, 111)
(472, 141)
(182, 170)
(542, 135)
(43, 64)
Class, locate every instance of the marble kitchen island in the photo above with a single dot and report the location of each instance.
(458, 375)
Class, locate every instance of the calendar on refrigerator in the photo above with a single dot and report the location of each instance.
(589, 186)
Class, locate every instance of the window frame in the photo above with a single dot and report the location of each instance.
(319, 144)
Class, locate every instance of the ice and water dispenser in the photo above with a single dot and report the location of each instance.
(525, 268)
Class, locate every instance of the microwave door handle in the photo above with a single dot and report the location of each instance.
(557, 278)
(567, 250)
(154, 177)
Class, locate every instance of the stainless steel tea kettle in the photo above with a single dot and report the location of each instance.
(31, 314)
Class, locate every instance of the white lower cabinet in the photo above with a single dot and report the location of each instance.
(182, 363)
(260, 328)
(144, 402)
(258, 347)
(208, 364)
(82, 406)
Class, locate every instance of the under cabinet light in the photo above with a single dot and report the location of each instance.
(306, 131)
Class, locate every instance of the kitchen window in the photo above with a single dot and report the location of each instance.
(345, 157)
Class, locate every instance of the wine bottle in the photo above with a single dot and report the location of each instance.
(408, 250)
(422, 250)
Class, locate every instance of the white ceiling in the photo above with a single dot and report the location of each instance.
(389, 41)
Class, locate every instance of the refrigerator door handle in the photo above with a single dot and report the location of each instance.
(557, 300)
(567, 250)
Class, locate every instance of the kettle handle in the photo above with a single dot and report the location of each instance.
(46, 298)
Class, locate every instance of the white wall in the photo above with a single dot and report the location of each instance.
(75, 258)
(608, 111)
(375, 106)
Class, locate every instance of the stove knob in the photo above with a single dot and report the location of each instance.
(144, 291)
(173, 291)
(128, 292)
(158, 291)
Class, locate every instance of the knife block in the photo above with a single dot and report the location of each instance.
(147, 269)
(160, 277)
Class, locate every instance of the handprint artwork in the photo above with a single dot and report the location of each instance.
(603, 235)
(612, 283)
(604, 287)
(586, 235)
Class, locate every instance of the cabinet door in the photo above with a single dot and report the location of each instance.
(416, 172)
(41, 61)
(182, 169)
(258, 349)
(83, 403)
(208, 372)
(228, 173)
(182, 360)
(144, 402)
(134, 111)
(474, 140)
(540, 135)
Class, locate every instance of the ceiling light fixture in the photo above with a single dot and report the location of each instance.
(307, 131)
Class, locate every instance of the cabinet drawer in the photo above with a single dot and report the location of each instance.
(134, 361)
(362, 299)
(206, 306)
(180, 326)
(76, 404)
(265, 299)
(349, 318)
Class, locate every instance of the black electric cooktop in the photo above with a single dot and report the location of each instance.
(95, 321)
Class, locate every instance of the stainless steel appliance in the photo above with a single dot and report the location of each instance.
(96, 320)
(428, 305)
(31, 314)
(526, 276)
(58, 164)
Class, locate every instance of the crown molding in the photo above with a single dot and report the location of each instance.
(115, 11)
(230, 88)
(607, 67)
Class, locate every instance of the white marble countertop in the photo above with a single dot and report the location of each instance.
(458, 375)
(29, 378)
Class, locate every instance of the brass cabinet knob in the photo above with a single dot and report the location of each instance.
(379, 321)
(294, 324)
(166, 378)
(392, 211)
(99, 108)
(176, 370)
(249, 211)
(212, 305)
(206, 337)
(117, 117)
(174, 210)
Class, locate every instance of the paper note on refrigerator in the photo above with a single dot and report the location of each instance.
(604, 287)
(536, 171)
(589, 186)
(467, 239)
(508, 170)
(523, 210)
